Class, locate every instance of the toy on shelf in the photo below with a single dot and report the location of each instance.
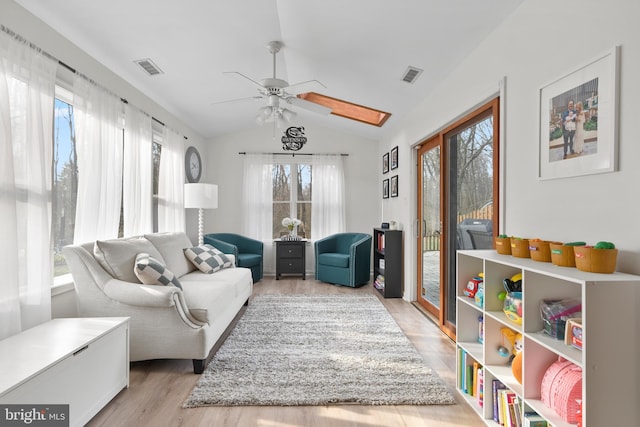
(473, 285)
(511, 343)
(512, 298)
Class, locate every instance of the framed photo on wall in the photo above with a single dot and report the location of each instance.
(578, 121)
(385, 163)
(385, 188)
(394, 157)
(394, 186)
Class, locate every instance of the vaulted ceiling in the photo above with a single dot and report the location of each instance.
(358, 49)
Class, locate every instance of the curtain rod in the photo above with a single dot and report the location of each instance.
(33, 46)
(300, 154)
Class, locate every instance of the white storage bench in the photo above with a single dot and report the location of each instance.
(82, 362)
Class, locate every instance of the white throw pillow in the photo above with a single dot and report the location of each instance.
(207, 258)
(150, 271)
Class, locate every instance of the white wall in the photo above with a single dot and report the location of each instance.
(224, 166)
(542, 41)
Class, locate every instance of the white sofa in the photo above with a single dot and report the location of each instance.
(166, 322)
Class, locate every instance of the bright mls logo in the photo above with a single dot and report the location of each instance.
(34, 415)
(293, 139)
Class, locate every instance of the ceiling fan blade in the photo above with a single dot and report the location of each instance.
(248, 78)
(296, 85)
(307, 105)
(230, 101)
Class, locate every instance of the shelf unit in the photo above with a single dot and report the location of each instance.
(609, 357)
(387, 262)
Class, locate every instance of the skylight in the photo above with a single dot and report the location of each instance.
(347, 109)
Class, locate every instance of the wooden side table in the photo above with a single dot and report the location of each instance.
(290, 257)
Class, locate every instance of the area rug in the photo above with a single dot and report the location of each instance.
(317, 350)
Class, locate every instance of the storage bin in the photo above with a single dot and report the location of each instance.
(595, 260)
(540, 250)
(556, 312)
(503, 245)
(562, 255)
(520, 248)
(561, 389)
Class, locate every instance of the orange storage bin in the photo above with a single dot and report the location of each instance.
(540, 250)
(595, 260)
(503, 245)
(562, 255)
(520, 248)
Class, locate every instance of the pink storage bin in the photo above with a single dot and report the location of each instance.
(561, 389)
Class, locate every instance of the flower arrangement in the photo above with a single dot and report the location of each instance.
(290, 223)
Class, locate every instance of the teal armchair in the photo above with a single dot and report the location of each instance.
(248, 252)
(344, 259)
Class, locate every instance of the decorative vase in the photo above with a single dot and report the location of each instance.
(294, 231)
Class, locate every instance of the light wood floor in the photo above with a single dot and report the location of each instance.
(158, 388)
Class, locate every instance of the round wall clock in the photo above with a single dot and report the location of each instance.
(193, 165)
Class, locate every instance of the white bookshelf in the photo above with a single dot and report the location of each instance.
(611, 342)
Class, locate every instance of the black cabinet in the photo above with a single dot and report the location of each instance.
(388, 262)
(290, 257)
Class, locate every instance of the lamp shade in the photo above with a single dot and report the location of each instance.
(201, 196)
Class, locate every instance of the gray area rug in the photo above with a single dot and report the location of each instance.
(317, 350)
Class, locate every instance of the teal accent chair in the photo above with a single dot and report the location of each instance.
(248, 252)
(344, 259)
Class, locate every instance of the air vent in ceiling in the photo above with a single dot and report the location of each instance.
(411, 74)
(148, 66)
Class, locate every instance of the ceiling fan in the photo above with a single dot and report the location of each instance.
(278, 93)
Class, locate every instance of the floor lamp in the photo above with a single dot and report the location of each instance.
(200, 196)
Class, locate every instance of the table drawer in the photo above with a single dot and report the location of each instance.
(290, 251)
(291, 265)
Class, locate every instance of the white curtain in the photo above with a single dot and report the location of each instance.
(27, 82)
(137, 189)
(171, 215)
(257, 195)
(98, 121)
(327, 198)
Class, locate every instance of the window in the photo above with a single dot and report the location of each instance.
(156, 151)
(292, 197)
(65, 179)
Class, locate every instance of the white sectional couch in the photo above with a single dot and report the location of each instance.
(166, 322)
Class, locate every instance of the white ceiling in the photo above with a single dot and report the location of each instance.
(359, 49)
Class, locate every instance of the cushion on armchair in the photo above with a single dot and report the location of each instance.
(334, 259)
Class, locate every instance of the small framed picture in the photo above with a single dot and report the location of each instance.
(394, 186)
(385, 189)
(394, 157)
(385, 163)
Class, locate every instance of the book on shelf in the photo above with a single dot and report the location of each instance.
(381, 242)
(480, 387)
(496, 386)
(509, 402)
(379, 282)
(532, 419)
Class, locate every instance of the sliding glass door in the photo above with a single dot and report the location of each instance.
(457, 208)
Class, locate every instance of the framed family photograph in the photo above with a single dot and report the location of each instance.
(394, 157)
(578, 121)
(385, 189)
(394, 186)
(385, 163)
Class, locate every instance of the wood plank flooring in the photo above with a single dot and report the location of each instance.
(158, 388)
